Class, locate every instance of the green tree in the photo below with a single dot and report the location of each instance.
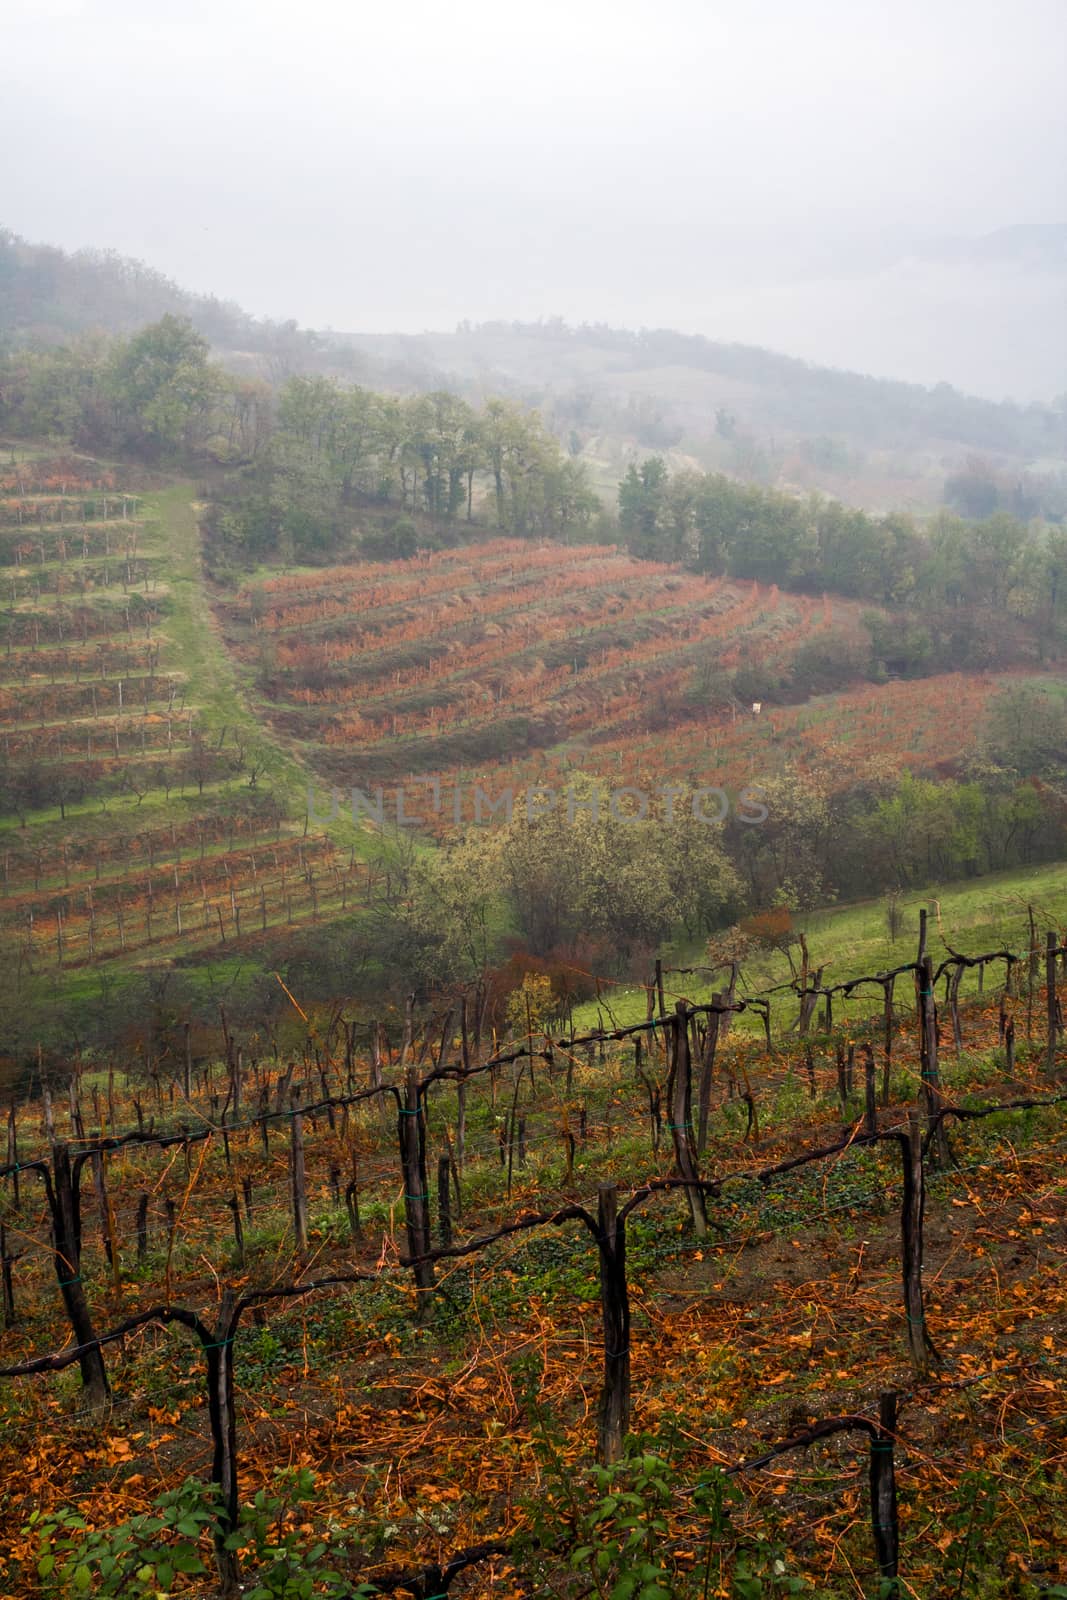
(163, 388)
(585, 867)
(1028, 730)
(642, 507)
(1053, 575)
(786, 859)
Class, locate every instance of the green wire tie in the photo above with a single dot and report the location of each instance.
(415, 1196)
(65, 1283)
(404, 1112)
(222, 1343)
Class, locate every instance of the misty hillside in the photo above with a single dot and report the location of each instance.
(608, 394)
(984, 313)
(49, 296)
(673, 383)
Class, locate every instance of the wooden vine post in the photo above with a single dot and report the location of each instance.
(613, 1420)
(64, 1203)
(810, 987)
(928, 1057)
(222, 1413)
(238, 1231)
(352, 1202)
(461, 1087)
(680, 1099)
(707, 1069)
(7, 1263)
(1032, 969)
(444, 1200)
(887, 1040)
(104, 1207)
(870, 1099)
(411, 1135)
(920, 957)
(953, 991)
(913, 1206)
(299, 1184)
(883, 1481)
(13, 1157)
(1053, 1011)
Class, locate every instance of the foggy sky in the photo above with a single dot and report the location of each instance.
(724, 166)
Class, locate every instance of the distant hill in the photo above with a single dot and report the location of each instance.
(676, 385)
(49, 296)
(608, 393)
(985, 313)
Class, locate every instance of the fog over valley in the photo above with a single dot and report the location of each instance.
(765, 174)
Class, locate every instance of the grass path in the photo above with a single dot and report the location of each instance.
(196, 648)
(223, 688)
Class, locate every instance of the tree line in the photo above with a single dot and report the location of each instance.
(712, 524)
(49, 297)
(156, 395)
(432, 457)
(307, 454)
(304, 454)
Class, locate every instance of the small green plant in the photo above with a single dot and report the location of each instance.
(631, 1527)
(282, 1570)
(140, 1559)
(625, 1533)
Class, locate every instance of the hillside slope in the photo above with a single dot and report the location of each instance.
(146, 818)
(690, 375)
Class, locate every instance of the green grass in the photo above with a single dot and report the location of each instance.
(221, 687)
(988, 913)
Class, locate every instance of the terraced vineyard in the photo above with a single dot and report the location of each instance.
(889, 728)
(489, 651)
(149, 809)
(518, 665)
(132, 819)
